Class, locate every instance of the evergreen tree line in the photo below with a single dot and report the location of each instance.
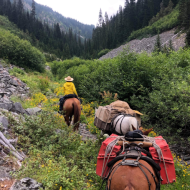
(109, 33)
(184, 18)
(49, 39)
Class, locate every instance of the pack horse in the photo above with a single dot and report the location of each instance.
(117, 118)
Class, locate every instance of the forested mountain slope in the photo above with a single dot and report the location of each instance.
(145, 39)
(47, 14)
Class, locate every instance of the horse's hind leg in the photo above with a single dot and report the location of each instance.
(71, 120)
(67, 120)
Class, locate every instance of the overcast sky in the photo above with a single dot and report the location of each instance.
(85, 11)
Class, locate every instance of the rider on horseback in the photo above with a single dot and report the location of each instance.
(69, 91)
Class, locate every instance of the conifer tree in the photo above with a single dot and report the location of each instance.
(57, 31)
(1, 7)
(106, 18)
(165, 2)
(14, 15)
(126, 19)
(182, 12)
(20, 6)
(186, 22)
(100, 18)
(188, 38)
(157, 46)
(33, 12)
(171, 48)
(120, 26)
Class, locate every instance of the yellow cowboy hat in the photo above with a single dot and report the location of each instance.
(69, 79)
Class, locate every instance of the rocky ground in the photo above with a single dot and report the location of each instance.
(85, 133)
(147, 44)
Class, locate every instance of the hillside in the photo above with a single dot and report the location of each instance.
(147, 44)
(9, 26)
(144, 39)
(47, 14)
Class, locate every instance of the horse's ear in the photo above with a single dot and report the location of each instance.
(148, 131)
(133, 128)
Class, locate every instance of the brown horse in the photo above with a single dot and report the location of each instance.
(127, 177)
(132, 178)
(72, 107)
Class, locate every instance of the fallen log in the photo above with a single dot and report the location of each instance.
(10, 148)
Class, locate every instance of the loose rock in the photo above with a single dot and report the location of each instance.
(33, 111)
(4, 122)
(26, 184)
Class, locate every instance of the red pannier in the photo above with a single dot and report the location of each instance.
(101, 161)
(166, 163)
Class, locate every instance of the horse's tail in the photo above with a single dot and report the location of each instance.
(76, 115)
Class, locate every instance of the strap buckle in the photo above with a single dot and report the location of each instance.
(130, 163)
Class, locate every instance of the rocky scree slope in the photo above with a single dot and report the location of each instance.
(147, 44)
(10, 85)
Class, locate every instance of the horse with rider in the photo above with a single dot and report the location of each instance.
(70, 103)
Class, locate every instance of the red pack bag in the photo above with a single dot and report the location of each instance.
(166, 163)
(102, 160)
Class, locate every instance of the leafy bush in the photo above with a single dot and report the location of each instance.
(59, 68)
(20, 52)
(43, 83)
(103, 52)
(108, 98)
(16, 71)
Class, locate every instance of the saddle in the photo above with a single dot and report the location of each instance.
(63, 99)
(134, 151)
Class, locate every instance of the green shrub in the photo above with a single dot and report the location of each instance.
(16, 71)
(20, 52)
(43, 83)
(103, 52)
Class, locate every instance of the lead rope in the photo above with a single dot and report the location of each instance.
(114, 142)
(152, 139)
